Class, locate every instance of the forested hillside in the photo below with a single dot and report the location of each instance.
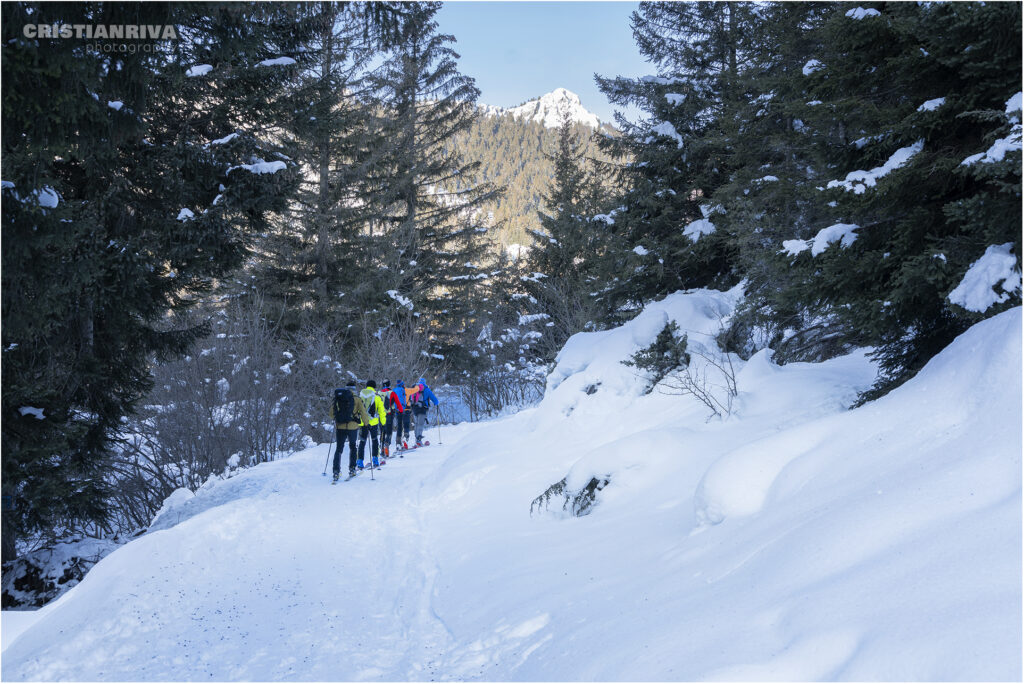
(517, 155)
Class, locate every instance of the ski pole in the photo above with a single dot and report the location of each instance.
(328, 453)
(439, 425)
(372, 455)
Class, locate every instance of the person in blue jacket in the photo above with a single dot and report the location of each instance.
(419, 399)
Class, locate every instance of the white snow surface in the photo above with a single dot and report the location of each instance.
(668, 130)
(997, 268)
(199, 70)
(277, 61)
(699, 227)
(260, 167)
(548, 110)
(640, 250)
(859, 181)
(226, 139)
(811, 66)
(932, 105)
(400, 298)
(859, 13)
(843, 233)
(47, 197)
(997, 152)
(33, 411)
(794, 247)
(794, 540)
(1013, 105)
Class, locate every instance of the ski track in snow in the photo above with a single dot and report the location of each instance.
(312, 555)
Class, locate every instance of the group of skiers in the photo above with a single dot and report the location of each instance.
(373, 413)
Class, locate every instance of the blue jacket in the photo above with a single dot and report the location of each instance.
(400, 391)
(428, 396)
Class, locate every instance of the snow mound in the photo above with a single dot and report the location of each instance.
(593, 360)
(943, 394)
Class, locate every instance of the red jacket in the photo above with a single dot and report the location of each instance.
(385, 393)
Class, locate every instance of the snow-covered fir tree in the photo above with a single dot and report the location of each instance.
(434, 224)
(124, 200)
(677, 152)
(904, 97)
(564, 265)
(318, 266)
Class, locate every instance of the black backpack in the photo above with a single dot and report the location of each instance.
(344, 406)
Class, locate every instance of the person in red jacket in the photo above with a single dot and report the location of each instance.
(393, 406)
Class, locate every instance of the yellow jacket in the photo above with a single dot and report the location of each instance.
(377, 414)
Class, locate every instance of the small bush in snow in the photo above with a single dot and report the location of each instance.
(577, 503)
(666, 354)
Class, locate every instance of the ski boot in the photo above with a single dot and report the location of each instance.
(359, 464)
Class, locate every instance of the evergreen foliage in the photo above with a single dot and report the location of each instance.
(318, 265)
(565, 261)
(434, 222)
(666, 354)
(118, 211)
(848, 163)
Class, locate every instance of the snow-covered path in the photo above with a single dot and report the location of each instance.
(797, 540)
(297, 580)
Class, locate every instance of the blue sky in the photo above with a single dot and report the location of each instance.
(518, 51)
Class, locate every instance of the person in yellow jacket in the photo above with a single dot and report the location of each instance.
(376, 417)
(347, 425)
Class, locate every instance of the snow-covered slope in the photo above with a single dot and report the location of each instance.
(549, 109)
(794, 540)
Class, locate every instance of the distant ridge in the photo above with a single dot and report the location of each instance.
(548, 110)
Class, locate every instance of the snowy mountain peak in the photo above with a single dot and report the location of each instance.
(548, 110)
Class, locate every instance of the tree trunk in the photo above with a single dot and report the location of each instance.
(323, 201)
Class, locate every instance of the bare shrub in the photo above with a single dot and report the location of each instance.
(711, 379)
(394, 350)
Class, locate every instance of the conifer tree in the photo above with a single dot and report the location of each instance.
(910, 93)
(434, 225)
(120, 209)
(566, 255)
(318, 265)
(678, 153)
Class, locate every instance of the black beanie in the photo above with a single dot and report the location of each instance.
(371, 383)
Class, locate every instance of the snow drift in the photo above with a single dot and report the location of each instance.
(794, 540)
